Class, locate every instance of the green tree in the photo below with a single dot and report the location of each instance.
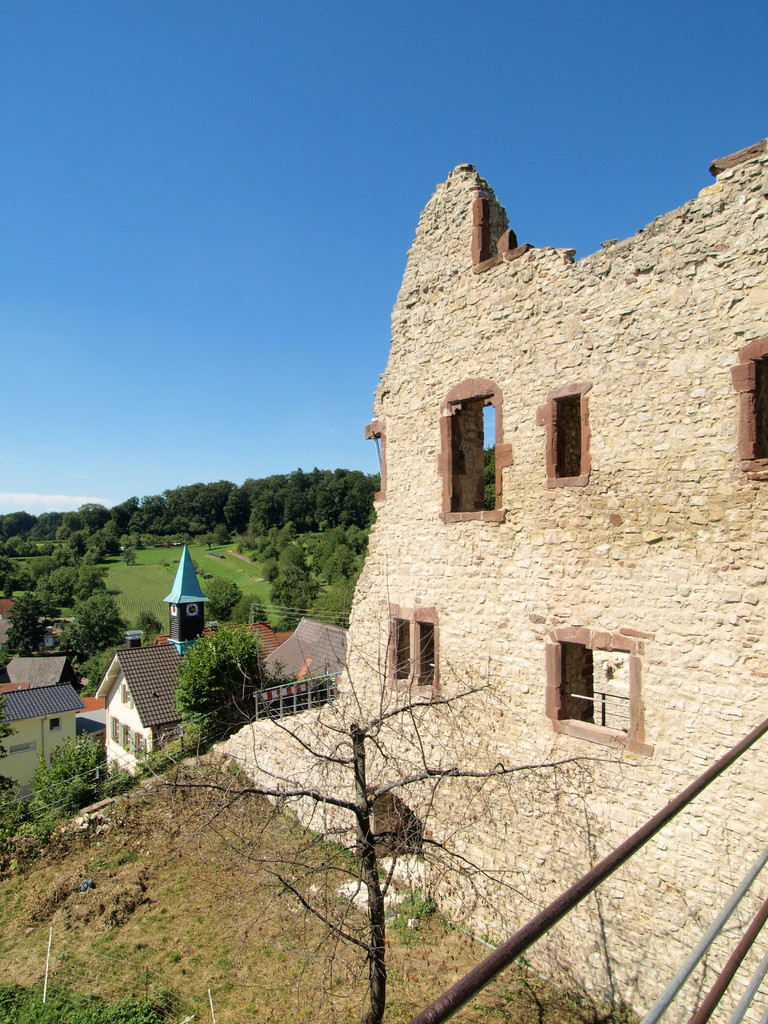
(25, 631)
(219, 676)
(149, 624)
(56, 590)
(90, 578)
(93, 671)
(96, 625)
(335, 603)
(221, 535)
(270, 569)
(293, 592)
(129, 555)
(223, 595)
(248, 609)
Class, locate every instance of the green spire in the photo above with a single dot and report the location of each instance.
(185, 589)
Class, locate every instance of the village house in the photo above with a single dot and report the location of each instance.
(25, 672)
(572, 529)
(42, 718)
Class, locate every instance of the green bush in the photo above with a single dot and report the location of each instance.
(20, 1005)
(71, 781)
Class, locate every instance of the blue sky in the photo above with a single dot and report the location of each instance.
(206, 205)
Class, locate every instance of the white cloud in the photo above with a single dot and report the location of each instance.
(37, 503)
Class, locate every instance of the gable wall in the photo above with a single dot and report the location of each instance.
(665, 545)
(22, 765)
(125, 715)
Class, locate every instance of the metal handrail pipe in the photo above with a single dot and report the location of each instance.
(725, 977)
(750, 992)
(467, 987)
(709, 936)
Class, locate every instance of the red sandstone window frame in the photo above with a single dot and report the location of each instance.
(548, 416)
(752, 452)
(477, 389)
(423, 640)
(633, 737)
(376, 431)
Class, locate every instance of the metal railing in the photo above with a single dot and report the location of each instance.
(292, 698)
(608, 710)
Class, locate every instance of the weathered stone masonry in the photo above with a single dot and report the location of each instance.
(623, 551)
(627, 550)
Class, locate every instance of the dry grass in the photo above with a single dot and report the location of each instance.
(186, 899)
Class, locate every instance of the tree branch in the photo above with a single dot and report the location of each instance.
(498, 771)
(321, 917)
(319, 798)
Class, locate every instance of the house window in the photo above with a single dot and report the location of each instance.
(126, 737)
(750, 379)
(472, 454)
(115, 729)
(566, 418)
(375, 432)
(22, 748)
(413, 654)
(54, 725)
(593, 687)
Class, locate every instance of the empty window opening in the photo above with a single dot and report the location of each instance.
(594, 686)
(568, 436)
(566, 419)
(577, 687)
(468, 450)
(761, 408)
(472, 452)
(402, 629)
(426, 641)
(413, 650)
(489, 458)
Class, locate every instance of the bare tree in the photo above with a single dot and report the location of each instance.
(371, 782)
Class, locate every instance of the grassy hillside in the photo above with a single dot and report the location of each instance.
(186, 900)
(143, 585)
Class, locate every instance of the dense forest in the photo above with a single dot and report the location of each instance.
(313, 502)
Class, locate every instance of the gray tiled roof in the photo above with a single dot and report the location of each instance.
(314, 648)
(151, 674)
(44, 671)
(41, 700)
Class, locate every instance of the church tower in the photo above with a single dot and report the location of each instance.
(186, 604)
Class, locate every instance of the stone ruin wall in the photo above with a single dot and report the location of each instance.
(666, 548)
(662, 553)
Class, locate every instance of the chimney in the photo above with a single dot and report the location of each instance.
(133, 638)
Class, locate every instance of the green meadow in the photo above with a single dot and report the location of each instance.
(143, 585)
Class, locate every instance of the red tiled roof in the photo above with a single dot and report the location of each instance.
(93, 703)
(10, 687)
(6, 603)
